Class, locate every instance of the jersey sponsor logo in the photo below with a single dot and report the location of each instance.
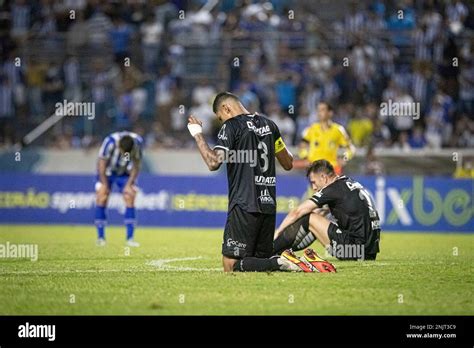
(264, 180)
(234, 243)
(222, 135)
(265, 197)
(265, 130)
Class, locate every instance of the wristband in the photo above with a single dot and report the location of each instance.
(194, 129)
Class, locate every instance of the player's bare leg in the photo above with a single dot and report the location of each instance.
(129, 198)
(228, 263)
(129, 195)
(318, 225)
(102, 196)
(299, 235)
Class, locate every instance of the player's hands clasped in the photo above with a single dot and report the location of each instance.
(194, 125)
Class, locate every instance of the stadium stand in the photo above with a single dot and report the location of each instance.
(146, 65)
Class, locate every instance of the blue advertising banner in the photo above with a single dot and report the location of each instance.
(404, 203)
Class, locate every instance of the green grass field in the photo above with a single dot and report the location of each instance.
(415, 274)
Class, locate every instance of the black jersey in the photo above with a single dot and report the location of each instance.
(250, 143)
(354, 210)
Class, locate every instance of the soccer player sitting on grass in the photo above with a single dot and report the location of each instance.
(119, 164)
(356, 234)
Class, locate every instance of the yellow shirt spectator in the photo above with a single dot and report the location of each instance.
(324, 143)
(360, 129)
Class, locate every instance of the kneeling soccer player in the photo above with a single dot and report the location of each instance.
(248, 235)
(356, 234)
(119, 164)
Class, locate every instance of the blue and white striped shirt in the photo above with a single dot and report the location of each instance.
(21, 17)
(118, 163)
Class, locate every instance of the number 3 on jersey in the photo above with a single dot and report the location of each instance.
(263, 155)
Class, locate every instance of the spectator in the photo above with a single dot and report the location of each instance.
(203, 92)
(53, 87)
(381, 136)
(21, 19)
(361, 127)
(403, 122)
(72, 79)
(286, 91)
(457, 12)
(464, 132)
(283, 121)
(99, 27)
(435, 122)
(206, 115)
(120, 34)
(320, 65)
(35, 79)
(372, 165)
(466, 84)
(152, 32)
(402, 142)
(466, 170)
(77, 35)
(417, 139)
(7, 108)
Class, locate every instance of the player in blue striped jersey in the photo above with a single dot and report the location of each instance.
(119, 164)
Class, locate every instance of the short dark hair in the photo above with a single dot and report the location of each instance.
(328, 104)
(220, 98)
(320, 166)
(126, 143)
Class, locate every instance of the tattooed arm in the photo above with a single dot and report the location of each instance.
(212, 158)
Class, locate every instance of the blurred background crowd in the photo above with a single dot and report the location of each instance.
(146, 65)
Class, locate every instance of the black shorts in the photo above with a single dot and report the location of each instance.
(345, 247)
(248, 234)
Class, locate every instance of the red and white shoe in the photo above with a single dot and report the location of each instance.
(318, 263)
(290, 262)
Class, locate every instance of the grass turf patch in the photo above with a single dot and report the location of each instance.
(177, 271)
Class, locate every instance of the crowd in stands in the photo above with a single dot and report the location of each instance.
(146, 65)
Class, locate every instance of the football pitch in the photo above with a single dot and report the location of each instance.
(178, 272)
